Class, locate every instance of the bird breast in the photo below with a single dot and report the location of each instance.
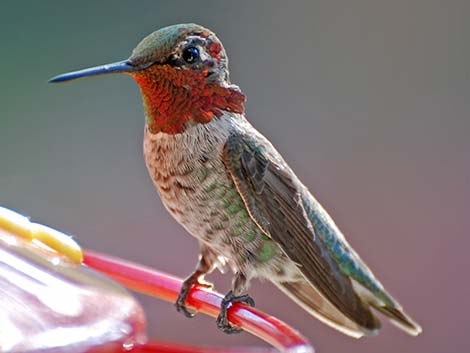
(183, 167)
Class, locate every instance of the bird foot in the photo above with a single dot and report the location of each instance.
(222, 319)
(184, 292)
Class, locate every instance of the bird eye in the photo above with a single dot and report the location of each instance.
(191, 55)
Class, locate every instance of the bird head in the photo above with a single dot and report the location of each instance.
(182, 72)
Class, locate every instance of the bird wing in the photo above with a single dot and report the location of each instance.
(274, 199)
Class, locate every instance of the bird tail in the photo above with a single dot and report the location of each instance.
(305, 295)
(390, 308)
(400, 319)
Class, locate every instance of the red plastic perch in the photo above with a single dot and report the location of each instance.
(151, 282)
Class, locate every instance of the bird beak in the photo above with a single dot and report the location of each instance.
(115, 68)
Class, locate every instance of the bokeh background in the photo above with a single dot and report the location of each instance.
(369, 102)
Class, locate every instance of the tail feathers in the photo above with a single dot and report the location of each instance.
(391, 308)
(398, 317)
(305, 295)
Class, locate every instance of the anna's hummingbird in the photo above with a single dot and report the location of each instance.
(230, 188)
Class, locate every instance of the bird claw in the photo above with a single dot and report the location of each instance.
(222, 319)
(184, 292)
(182, 308)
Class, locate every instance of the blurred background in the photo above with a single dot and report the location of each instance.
(369, 102)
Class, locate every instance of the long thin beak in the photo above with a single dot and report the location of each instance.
(114, 68)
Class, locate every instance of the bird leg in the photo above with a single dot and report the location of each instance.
(205, 265)
(239, 284)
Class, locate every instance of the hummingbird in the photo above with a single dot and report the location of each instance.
(226, 184)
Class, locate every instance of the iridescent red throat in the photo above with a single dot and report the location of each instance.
(173, 97)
